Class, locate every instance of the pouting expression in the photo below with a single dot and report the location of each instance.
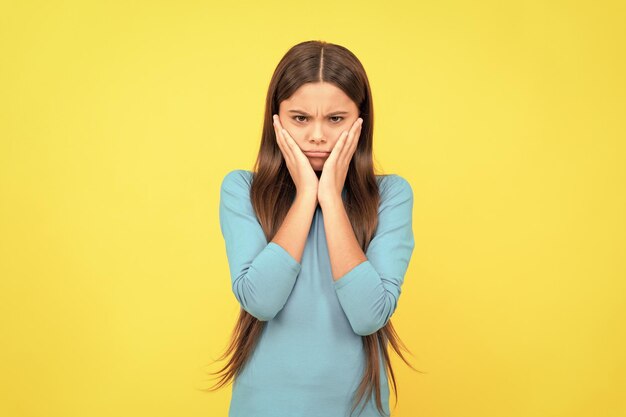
(315, 116)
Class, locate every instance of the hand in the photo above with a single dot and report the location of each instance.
(335, 169)
(298, 164)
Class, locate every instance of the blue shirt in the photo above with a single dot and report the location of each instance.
(309, 359)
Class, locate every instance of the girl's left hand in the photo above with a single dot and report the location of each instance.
(336, 166)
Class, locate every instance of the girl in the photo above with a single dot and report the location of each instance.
(317, 246)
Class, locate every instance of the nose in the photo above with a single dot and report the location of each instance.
(317, 136)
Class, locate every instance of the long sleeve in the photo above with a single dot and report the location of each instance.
(262, 274)
(369, 292)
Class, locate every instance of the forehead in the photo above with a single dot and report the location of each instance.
(322, 94)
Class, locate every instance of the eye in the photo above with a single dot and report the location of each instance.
(331, 117)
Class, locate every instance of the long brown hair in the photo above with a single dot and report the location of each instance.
(273, 191)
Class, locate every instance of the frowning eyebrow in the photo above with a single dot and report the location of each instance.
(306, 114)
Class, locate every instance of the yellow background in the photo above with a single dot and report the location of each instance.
(118, 121)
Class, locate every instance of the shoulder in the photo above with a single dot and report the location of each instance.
(237, 180)
(393, 186)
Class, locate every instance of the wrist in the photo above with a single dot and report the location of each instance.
(306, 197)
(331, 202)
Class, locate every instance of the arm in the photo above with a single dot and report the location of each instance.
(368, 285)
(262, 274)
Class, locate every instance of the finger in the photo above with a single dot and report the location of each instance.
(351, 141)
(336, 152)
(281, 133)
(278, 137)
(354, 142)
(287, 155)
(277, 122)
(291, 142)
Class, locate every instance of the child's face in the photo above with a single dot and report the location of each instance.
(315, 116)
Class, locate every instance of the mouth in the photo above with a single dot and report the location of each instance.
(316, 154)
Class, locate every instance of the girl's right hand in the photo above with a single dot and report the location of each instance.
(298, 164)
